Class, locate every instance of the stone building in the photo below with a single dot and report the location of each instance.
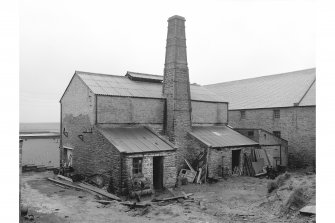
(143, 125)
(282, 104)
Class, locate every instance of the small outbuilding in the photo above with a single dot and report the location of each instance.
(225, 147)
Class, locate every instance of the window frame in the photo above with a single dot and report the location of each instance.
(137, 166)
(276, 114)
(243, 114)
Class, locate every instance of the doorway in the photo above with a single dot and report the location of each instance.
(235, 159)
(158, 172)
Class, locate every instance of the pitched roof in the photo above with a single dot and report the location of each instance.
(112, 85)
(220, 136)
(135, 140)
(280, 90)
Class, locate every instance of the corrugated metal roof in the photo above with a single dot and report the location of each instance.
(220, 136)
(141, 76)
(135, 140)
(281, 90)
(113, 85)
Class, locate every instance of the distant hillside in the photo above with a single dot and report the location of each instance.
(39, 127)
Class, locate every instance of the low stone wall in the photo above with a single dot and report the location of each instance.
(169, 168)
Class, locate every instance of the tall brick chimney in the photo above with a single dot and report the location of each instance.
(176, 87)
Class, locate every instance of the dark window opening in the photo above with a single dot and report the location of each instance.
(276, 113)
(137, 165)
(242, 114)
(251, 133)
(277, 133)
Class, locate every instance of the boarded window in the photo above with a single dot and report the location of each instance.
(242, 114)
(276, 113)
(277, 133)
(137, 165)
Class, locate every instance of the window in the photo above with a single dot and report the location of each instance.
(277, 133)
(242, 114)
(250, 133)
(137, 165)
(276, 113)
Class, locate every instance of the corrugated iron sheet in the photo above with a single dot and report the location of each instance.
(112, 85)
(135, 140)
(221, 136)
(281, 90)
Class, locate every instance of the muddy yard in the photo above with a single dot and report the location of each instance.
(237, 199)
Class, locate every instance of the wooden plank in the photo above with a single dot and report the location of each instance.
(189, 165)
(199, 175)
(65, 178)
(174, 198)
(207, 157)
(99, 191)
(85, 187)
(65, 183)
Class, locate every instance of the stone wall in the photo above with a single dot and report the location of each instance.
(126, 110)
(169, 171)
(93, 154)
(296, 124)
(78, 100)
(222, 157)
(209, 113)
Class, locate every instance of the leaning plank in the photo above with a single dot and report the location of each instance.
(174, 198)
(99, 191)
(199, 176)
(65, 178)
(65, 183)
(189, 165)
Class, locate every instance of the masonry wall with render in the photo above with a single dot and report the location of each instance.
(296, 125)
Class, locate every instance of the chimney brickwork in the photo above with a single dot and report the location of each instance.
(176, 88)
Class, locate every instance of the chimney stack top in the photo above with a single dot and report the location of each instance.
(177, 17)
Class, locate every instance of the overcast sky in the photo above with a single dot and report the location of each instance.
(226, 40)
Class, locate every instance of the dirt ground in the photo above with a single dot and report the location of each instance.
(237, 199)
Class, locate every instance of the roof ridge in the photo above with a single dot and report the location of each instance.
(144, 73)
(259, 77)
(90, 73)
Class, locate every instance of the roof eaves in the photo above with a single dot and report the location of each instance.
(122, 96)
